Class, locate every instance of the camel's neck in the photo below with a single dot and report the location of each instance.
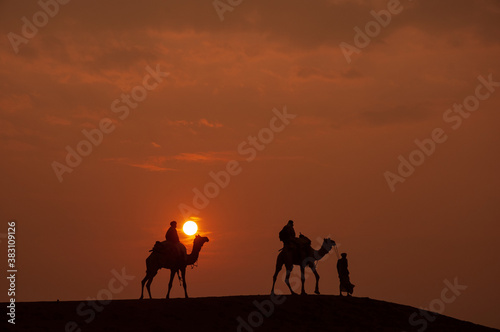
(193, 256)
(318, 254)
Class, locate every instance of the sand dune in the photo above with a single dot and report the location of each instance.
(236, 313)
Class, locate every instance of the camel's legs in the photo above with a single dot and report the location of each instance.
(183, 274)
(149, 279)
(142, 285)
(313, 268)
(172, 275)
(279, 266)
(302, 279)
(287, 279)
(148, 286)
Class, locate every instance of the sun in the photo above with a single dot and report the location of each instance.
(190, 227)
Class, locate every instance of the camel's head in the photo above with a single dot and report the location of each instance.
(328, 244)
(200, 240)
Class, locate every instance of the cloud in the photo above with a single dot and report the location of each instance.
(206, 123)
(117, 25)
(198, 123)
(152, 163)
(152, 167)
(204, 157)
(224, 74)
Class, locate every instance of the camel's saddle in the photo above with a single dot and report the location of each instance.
(299, 244)
(171, 249)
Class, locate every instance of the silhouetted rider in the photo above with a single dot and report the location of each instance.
(172, 235)
(287, 234)
(172, 240)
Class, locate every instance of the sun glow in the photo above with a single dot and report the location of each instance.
(190, 227)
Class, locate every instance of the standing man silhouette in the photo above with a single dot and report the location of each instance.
(345, 282)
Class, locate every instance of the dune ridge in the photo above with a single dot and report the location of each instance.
(233, 313)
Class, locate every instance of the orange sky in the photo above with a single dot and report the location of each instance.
(325, 169)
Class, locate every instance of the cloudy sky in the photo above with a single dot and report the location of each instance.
(222, 76)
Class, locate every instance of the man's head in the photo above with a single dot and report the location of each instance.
(344, 255)
(173, 224)
(290, 222)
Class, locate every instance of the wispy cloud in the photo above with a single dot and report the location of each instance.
(152, 163)
(152, 167)
(203, 157)
(200, 123)
(206, 123)
(223, 156)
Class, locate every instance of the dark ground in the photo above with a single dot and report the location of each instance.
(297, 313)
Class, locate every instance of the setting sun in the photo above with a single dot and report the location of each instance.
(190, 227)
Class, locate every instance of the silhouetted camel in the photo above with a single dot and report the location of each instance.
(173, 261)
(308, 257)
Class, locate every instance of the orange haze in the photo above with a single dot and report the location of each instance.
(208, 96)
